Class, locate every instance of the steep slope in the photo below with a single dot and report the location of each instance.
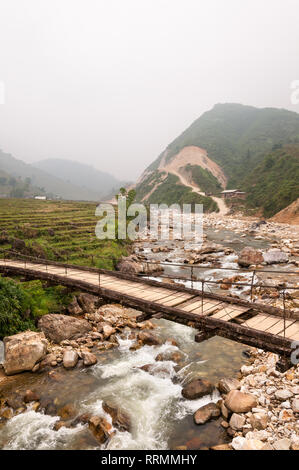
(221, 148)
(236, 136)
(81, 175)
(274, 183)
(46, 182)
(289, 215)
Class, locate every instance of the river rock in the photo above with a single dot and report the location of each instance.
(250, 256)
(89, 359)
(239, 402)
(148, 338)
(120, 419)
(259, 421)
(253, 444)
(70, 359)
(74, 308)
(282, 444)
(275, 256)
(108, 331)
(295, 405)
(283, 395)
(30, 396)
(59, 327)
(197, 388)
(23, 350)
(237, 422)
(129, 266)
(206, 412)
(226, 385)
(100, 428)
(87, 302)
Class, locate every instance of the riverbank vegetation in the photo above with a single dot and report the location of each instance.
(22, 303)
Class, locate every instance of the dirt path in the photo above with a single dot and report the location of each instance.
(223, 209)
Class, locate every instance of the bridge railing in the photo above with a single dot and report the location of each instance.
(205, 285)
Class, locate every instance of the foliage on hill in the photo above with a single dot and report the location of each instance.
(237, 137)
(204, 179)
(273, 184)
(173, 192)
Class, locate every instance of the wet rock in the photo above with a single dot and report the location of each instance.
(237, 422)
(239, 402)
(119, 418)
(197, 388)
(60, 424)
(206, 412)
(70, 359)
(30, 396)
(174, 356)
(74, 308)
(226, 385)
(15, 401)
(89, 359)
(62, 327)
(275, 256)
(148, 338)
(249, 256)
(100, 428)
(108, 331)
(23, 351)
(67, 412)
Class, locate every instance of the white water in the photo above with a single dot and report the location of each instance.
(152, 400)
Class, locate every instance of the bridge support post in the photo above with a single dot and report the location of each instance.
(283, 364)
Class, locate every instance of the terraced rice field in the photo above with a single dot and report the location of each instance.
(56, 230)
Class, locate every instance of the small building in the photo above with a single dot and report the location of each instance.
(233, 193)
(41, 198)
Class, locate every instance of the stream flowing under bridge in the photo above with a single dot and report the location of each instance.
(249, 323)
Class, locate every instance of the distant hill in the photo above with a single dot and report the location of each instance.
(46, 182)
(221, 149)
(79, 174)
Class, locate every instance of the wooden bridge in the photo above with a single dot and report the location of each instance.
(249, 323)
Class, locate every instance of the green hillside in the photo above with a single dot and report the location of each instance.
(237, 137)
(274, 183)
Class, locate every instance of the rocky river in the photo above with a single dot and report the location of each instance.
(127, 387)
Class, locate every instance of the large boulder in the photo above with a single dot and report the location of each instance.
(226, 385)
(129, 265)
(275, 256)
(239, 402)
(197, 388)
(87, 302)
(61, 327)
(206, 412)
(23, 350)
(249, 256)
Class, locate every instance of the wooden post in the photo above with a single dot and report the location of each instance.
(251, 288)
(192, 277)
(202, 294)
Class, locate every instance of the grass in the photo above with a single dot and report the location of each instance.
(58, 230)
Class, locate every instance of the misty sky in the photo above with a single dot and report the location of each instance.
(112, 82)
